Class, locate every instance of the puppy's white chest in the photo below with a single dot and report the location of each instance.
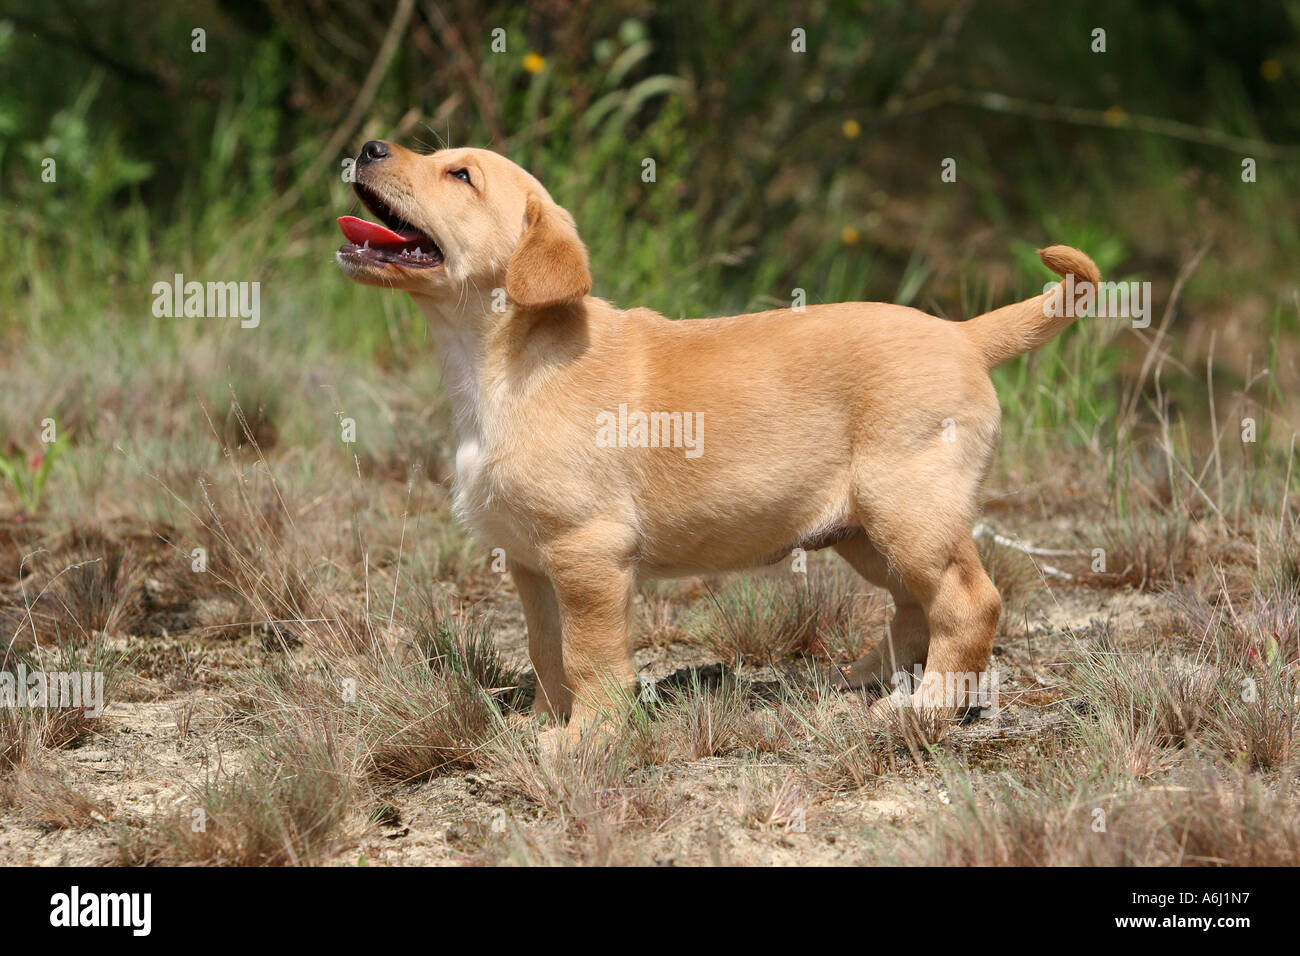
(481, 505)
(474, 493)
(469, 464)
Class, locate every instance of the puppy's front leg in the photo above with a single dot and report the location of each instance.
(594, 584)
(545, 648)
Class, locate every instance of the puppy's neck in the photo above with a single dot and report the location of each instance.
(460, 330)
(487, 354)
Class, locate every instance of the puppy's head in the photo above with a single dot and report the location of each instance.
(458, 219)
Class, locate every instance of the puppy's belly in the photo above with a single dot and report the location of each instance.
(743, 544)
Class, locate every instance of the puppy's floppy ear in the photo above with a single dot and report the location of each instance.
(550, 264)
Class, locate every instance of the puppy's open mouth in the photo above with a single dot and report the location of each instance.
(395, 242)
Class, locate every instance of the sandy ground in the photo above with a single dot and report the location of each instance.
(176, 731)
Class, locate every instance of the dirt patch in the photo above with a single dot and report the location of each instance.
(181, 727)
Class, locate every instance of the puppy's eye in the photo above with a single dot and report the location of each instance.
(461, 174)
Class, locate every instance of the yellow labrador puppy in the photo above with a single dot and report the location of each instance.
(602, 446)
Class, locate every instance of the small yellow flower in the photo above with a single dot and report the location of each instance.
(1271, 70)
(849, 236)
(851, 128)
(534, 62)
(1116, 116)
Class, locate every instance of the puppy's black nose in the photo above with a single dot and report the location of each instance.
(372, 152)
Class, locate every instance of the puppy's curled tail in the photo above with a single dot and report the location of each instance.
(1013, 330)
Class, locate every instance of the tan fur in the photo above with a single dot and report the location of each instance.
(1015, 329)
(827, 426)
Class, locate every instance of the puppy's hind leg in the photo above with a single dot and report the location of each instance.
(964, 608)
(917, 496)
(932, 551)
(903, 649)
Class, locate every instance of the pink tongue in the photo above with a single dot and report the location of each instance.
(361, 231)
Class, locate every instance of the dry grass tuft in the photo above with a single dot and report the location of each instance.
(458, 644)
(254, 554)
(1264, 627)
(1061, 813)
(773, 800)
(26, 731)
(1158, 694)
(851, 751)
(692, 721)
(89, 583)
(593, 805)
(760, 620)
(288, 809)
(417, 706)
(1259, 724)
(45, 799)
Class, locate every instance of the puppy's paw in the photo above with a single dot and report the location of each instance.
(886, 710)
(916, 719)
(554, 744)
(838, 678)
(521, 722)
(859, 676)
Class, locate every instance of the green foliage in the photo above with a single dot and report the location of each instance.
(773, 170)
(27, 477)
